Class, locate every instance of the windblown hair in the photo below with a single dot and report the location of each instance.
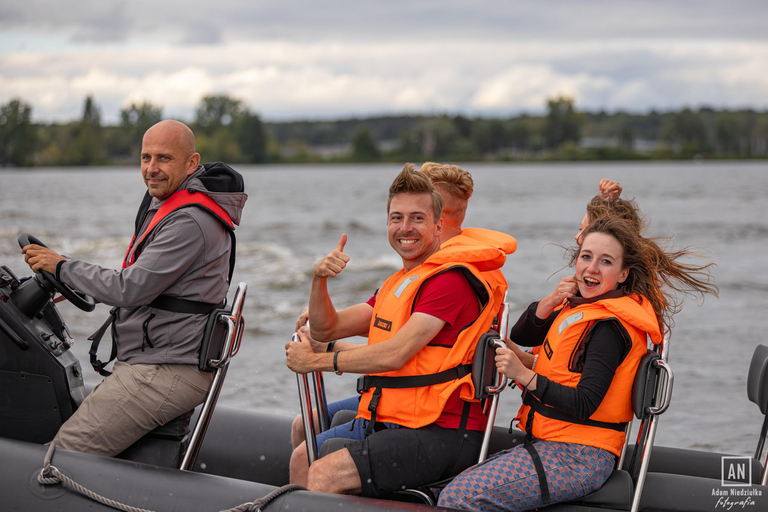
(410, 181)
(452, 178)
(655, 274)
(627, 209)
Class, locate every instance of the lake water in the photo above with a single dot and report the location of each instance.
(295, 215)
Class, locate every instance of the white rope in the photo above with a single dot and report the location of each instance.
(50, 475)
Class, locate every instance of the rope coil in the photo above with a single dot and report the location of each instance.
(50, 475)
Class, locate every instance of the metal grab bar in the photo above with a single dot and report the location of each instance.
(663, 388)
(305, 403)
(321, 402)
(235, 323)
(312, 386)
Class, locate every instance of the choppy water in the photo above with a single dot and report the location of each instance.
(295, 215)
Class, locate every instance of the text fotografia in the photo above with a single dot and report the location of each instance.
(735, 499)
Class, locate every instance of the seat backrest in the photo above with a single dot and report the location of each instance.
(644, 386)
(757, 379)
(484, 372)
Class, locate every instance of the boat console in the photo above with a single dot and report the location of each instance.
(41, 379)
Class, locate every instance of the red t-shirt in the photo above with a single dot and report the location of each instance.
(449, 297)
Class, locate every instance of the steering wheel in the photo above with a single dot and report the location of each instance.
(78, 299)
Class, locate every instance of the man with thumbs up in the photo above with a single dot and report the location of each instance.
(417, 421)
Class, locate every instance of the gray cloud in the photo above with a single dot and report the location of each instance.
(301, 20)
(339, 58)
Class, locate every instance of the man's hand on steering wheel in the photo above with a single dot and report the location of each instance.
(41, 258)
(43, 261)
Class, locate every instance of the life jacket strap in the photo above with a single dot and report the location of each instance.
(366, 382)
(557, 414)
(450, 470)
(372, 407)
(531, 449)
(190, 307)
(95, 340)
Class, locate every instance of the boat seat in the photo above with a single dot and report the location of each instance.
(177, 428)
(697, 463)
(615, 493)
(757, 392)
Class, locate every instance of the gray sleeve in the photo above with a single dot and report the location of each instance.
(173, 248)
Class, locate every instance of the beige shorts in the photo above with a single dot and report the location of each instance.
(132, 401)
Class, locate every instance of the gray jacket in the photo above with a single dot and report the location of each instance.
(185, 256)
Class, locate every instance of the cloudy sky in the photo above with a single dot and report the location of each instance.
(299, 59)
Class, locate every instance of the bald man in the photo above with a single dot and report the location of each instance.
(176, 271)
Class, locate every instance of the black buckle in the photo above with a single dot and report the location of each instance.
(374, 401)
(362, 387)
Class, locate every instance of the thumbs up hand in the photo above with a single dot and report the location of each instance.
(334, 263)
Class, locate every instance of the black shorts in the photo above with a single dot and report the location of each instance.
(403, 458)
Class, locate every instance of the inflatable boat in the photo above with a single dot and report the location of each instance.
(219, 458)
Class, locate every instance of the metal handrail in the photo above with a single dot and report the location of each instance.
(321, 402)
(312, 387)
(663, 388)
(235, 327)
(662, 399)
(305, 403)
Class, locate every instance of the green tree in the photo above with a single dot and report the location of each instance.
(18, 138)
(563, 122)
(463, 126)
(437, 136)
(519, 134)
(220, 147)
(134, 121)
(489, 135)
(364, 147)
(139, 117)
(685, 127)
(86, 147)
(232, 132)
(727, 133)
(251, 137)
(216, 111)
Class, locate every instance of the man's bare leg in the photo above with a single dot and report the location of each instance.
(336, 473)
(297, 429)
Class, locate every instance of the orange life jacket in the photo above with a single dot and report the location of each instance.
(566, 340)
(495, 277)
(422, 402)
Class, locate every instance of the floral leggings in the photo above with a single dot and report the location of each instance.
(508, 480)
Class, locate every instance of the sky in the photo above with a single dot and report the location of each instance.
(317, 59)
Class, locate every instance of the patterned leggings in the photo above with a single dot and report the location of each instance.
(508, 480)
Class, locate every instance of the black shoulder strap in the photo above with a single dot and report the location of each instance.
(142, 213)
(95, 339)
(190, 307)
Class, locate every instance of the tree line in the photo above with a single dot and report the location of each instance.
(228, 130)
